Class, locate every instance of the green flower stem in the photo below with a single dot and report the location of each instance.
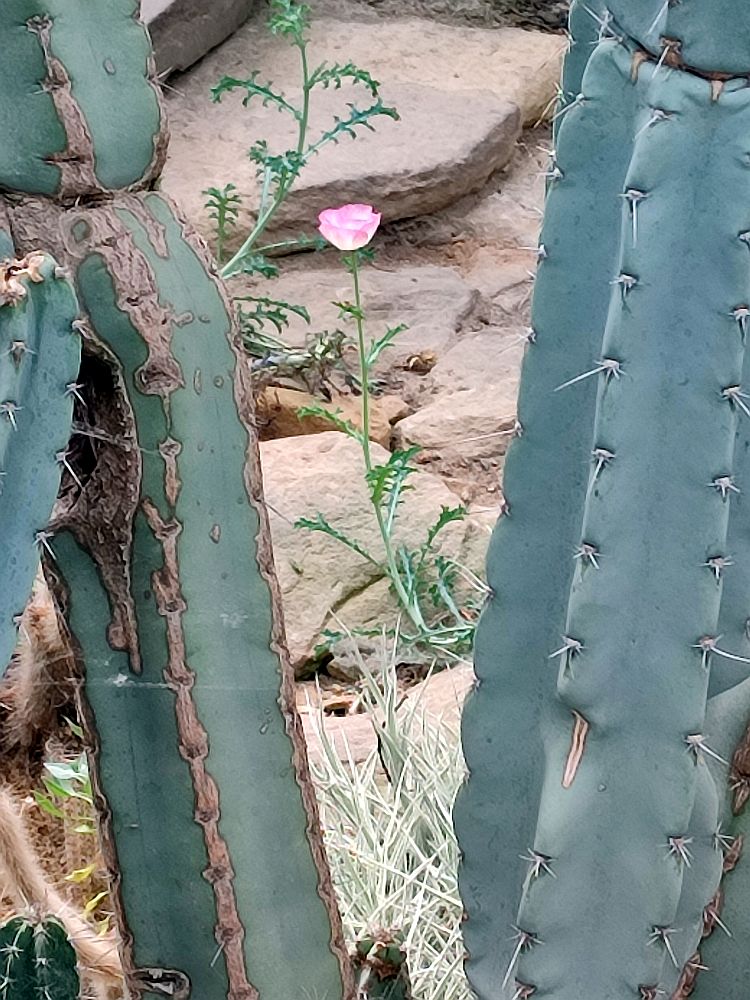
(407, 601)
(232, 267)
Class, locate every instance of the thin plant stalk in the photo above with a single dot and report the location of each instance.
(407, 600)
(266, 215)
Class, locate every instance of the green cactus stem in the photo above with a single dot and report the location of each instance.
(39, 361)
(37, 961)
(531, 560)
(210, 827)
(77, 119)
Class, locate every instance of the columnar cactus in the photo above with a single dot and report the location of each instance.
(593, 824)
(159, 547)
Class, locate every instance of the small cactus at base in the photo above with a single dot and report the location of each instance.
(37, 961)
(380, 968)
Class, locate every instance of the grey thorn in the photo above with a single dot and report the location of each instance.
(712, 913)
(663, 934)
(602, 457)
(734, 395)
(554, 173)
(657, 115)
(627, 283)
(524, 991)
(696, 744)
(539, 863)
(709, 644)
(722, 842)
(571, 647)
(524, 940)
(634, 197)
(518, 429)
(741, 314)
(62, 459)
(588, 553)
(10, 410)
(576, 102)
(610, 367)
(679, 847)
(17, 350)
(717, 565)
(540, 250)
(745, 238)
(78, 326)
(724, 485)
(42, 539)
(74, 389)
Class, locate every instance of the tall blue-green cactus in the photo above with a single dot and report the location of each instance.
(589, 749)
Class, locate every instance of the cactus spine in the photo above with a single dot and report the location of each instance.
(160, 552)
(590, 757)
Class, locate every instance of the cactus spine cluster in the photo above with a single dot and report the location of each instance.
(612, 660)
(158, 548)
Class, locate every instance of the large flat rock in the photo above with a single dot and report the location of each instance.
(445, 146)
(183, 31)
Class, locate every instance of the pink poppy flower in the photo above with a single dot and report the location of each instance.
(350, 227)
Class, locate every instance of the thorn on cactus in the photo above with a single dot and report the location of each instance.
(735, 396)
(524, 941)
(523, 991)
(717, 565)
(62, 459)
(724, 485)
(588, 553)
(74, 389)
(697, 745)
(17, 350)
(627, 283)
(679, 848)
(610, 367)
(538, 862)
(634, 197)
(722, 842)
(657, 116)
(9, 411)
(661, 935)
(741, 314)
(571, 647)
(42, 539)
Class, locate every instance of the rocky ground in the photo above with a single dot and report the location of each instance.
(460, 182)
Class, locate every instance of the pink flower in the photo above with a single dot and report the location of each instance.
(350, 227)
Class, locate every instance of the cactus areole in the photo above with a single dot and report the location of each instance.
(608, 765)
(121, 379)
